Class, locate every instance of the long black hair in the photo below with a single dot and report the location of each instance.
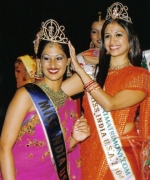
(134, 55)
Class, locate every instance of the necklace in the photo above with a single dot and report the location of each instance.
(58, 98)
(119, 66)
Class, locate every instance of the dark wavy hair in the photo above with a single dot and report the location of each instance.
(43, 43)
(104, 60)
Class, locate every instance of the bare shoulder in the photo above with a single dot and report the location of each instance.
(21, 95)
(22, 99)
(19, 106)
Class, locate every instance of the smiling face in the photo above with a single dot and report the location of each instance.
(116, 40)
(53, 62)
(96, 33)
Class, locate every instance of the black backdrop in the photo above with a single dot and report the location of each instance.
(20, 20)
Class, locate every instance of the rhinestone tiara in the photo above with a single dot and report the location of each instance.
(118, 11)
(50, 31)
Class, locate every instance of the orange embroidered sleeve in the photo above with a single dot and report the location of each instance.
(144, 119)
(142, 82)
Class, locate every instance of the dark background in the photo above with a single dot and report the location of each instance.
(20, 20)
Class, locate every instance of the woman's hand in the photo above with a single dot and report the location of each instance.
(81, 130)
(74, 62)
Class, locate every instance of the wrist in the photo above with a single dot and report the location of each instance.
(84, 76)
(91, 86)
(81, 71)
(73, 143)
(74, 139)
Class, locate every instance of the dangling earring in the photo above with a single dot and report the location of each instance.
(107, 53)
(39, 72)
(68, 73)
(92, 46)
(130, 50)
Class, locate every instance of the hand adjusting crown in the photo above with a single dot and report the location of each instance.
(118, 11)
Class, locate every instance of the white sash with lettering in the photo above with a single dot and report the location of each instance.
(116, 158)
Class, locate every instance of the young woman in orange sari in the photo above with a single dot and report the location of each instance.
(112, 151)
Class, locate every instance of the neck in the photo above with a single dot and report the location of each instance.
(119, 62)
(58, 97)
(120, 66)
(97, 48)
(54, 85)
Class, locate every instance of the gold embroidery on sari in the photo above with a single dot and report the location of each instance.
(35, 143)
(73, 177)
(78, 161)
(73, 114)
(45, 155)
(29, 127)
(30, 155)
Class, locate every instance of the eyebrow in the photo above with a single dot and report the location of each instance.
(49, 54)
(53, 54)
(115, 32)
(93, 29)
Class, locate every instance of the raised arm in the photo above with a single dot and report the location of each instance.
(123, 99)
(72, 85)
(16, 112)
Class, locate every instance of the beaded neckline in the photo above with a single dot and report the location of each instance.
(111, 71)
(111, 67)
(58, 98)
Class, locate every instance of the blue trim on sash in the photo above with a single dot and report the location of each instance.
(52, 126)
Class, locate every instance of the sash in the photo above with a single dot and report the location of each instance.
(91, 53)
(89, 68)
(146, 59)
(108, 135)
(52, 129)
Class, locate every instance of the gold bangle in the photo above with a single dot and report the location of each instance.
(95, 84)
(94, 89)
(88, 84)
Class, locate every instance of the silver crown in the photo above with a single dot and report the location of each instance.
(51, 31)
(118, 11)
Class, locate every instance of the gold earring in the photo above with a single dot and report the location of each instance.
(92, 46)
(39, 72)
(68, 73)
(130, 50)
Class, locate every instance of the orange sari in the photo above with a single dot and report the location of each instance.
(94, 163)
